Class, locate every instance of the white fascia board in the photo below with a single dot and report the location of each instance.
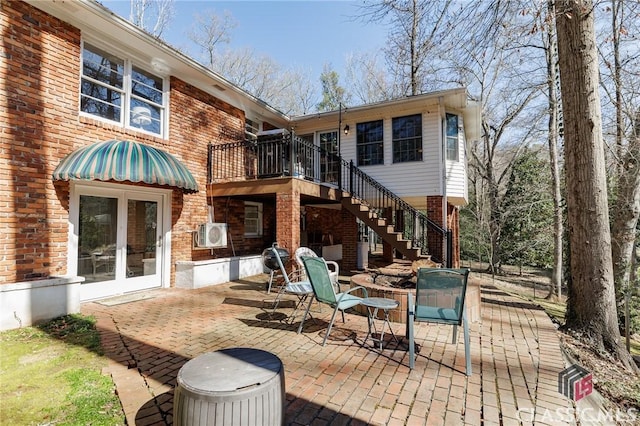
(453, 98)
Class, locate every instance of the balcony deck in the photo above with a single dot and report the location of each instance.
(310, 192)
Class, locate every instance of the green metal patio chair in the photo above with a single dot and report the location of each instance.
(318, 275)
(440, 295)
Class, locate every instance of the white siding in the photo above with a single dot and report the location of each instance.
(456, 170)
(408, 179)
(416, 179)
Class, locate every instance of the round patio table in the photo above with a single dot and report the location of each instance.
(374, 304)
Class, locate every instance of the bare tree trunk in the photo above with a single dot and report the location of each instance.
(626, 212)
(615, 38)
(555, 289)
(591, 307)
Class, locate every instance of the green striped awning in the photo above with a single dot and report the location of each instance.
(125, 161)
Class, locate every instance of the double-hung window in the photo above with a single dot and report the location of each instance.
(252, 219)
(114, 89)
(407, 138)
(452, 137)
(370, 143)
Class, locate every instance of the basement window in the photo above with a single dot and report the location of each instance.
(252, 219)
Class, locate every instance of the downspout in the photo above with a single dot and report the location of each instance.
(443, 165)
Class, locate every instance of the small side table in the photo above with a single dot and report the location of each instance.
(374, 304)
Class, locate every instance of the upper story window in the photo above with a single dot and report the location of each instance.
(114, 89)
(407, 138)
(370, 143)
(251, 128)
(452, 137)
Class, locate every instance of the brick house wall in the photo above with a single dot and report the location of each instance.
(40, 75)
(435, 242)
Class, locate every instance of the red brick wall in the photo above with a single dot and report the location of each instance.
(231, 212)
(453, 223)
(435, 241)
(349, 241)
(40, 74)
(288, 220)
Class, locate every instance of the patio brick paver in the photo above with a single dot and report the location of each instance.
(515, 350)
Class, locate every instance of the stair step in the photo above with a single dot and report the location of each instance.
(381, 227)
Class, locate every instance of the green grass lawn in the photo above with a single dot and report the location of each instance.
(52, 375)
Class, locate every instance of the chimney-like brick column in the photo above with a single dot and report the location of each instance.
(435, 239)
(349, 241)
(288, 220)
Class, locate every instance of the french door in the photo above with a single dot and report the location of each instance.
(119, 239)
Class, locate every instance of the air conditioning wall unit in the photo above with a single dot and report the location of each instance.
(212, 235)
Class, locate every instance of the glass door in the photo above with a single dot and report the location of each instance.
(144, 242)
(329, 163)
(120, 241)
(97, 238)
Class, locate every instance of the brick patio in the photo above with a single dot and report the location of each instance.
(515, 351)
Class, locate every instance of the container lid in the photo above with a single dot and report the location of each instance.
(229, 370)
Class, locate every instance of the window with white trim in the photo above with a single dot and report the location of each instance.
(114, 89)
(251, 128)
(453, 140)
(407, 138)
(252, 219)
(370, 143)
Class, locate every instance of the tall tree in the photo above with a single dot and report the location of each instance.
(545, 21)
(417, 27)
(333, 95)
(209, 31)
(487, 66)
(153, 16)
(527, 212)
(368, 80)
(288, 89)
(591, 306)
(620, 80)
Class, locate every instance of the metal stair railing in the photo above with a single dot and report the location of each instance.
(289, 155)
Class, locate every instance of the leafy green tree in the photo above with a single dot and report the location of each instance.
(474, 229)
(527, 233)
(333, 95)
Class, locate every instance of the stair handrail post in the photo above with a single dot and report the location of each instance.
(449, 248)
(351, 174)
(292, 154)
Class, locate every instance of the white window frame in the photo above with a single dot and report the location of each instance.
(257, 230)
(416, 140)
(361, 146)
(451, 140)
(127, 95)
(251, 128)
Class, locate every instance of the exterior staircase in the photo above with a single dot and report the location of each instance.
(406, 229)
(381, 227)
